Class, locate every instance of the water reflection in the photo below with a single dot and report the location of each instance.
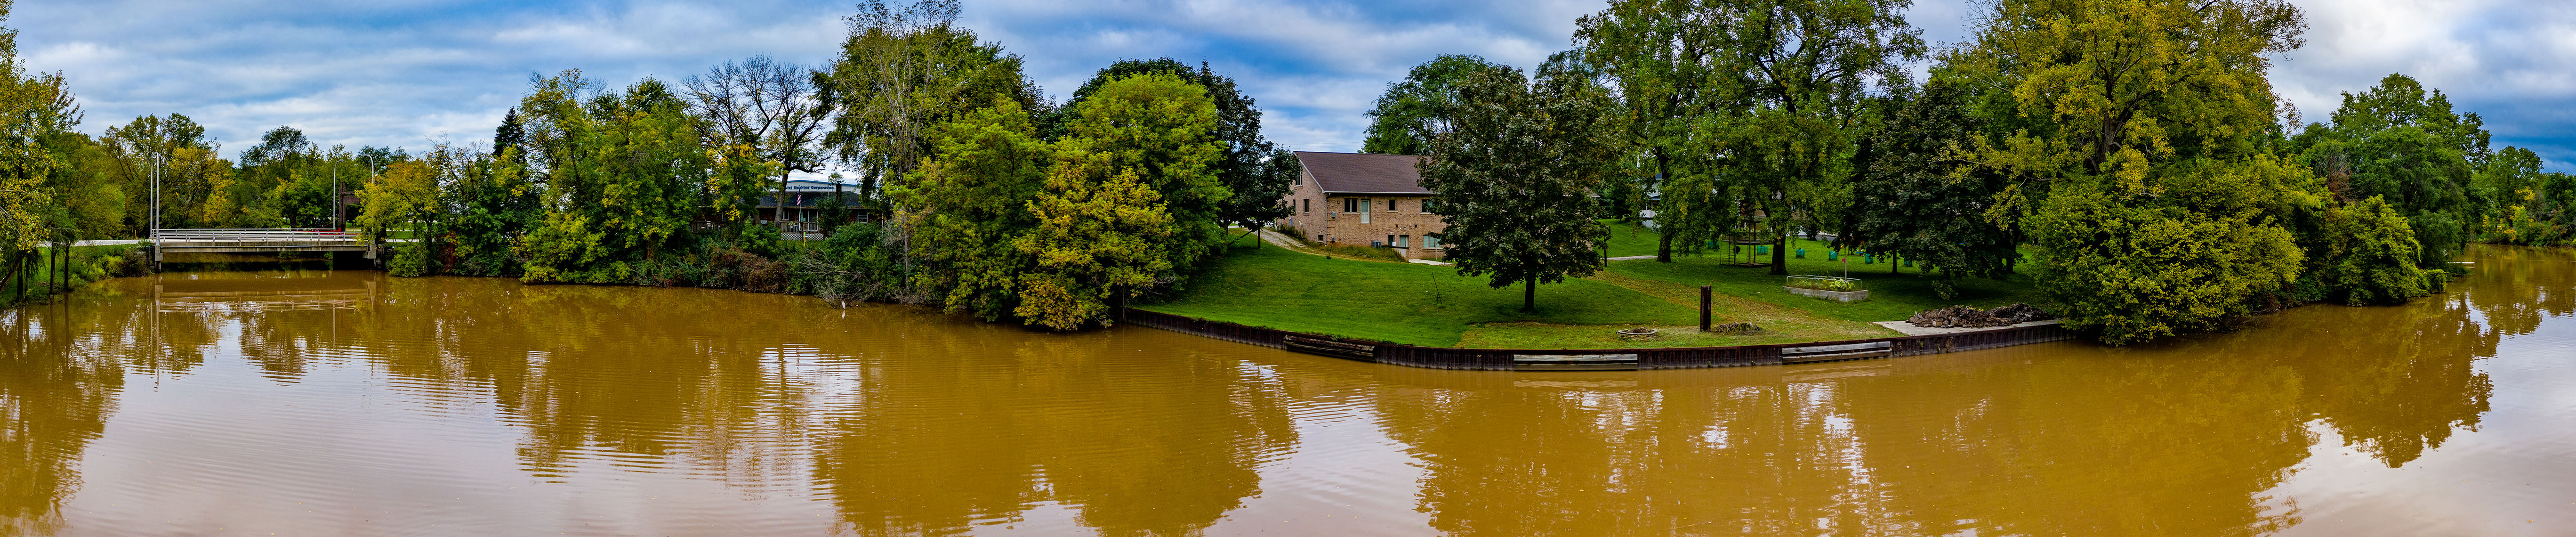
(56, 393)
(691, 412)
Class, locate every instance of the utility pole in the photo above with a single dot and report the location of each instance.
(335, 197)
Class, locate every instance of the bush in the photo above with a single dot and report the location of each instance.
(411, 260)
(2371, 256)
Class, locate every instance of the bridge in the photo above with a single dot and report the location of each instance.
(188, 241)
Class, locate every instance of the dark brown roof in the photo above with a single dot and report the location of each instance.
(1364, 173)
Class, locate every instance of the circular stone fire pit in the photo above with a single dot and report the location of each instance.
(1639, 334)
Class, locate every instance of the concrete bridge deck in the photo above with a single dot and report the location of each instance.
(183, 241)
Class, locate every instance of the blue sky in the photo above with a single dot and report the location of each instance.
(410, 72)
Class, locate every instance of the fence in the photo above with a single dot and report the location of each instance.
(1598, 359)
(254, 235)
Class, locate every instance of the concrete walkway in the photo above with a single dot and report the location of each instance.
(1911, 330)
(1631, 258)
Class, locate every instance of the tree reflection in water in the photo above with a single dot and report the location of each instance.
(2180, 438)
(899, 423)
(56, 391)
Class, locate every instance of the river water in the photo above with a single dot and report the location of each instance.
(317, 402)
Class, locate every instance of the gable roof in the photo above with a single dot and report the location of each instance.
(1364, 173)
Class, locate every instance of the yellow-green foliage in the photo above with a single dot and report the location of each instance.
(2162, 215)
(406, 194)
(964, 205)
(1008, 224)
(1096, 237)
(2188, 253)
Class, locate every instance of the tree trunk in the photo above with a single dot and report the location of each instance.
(16, 262)
(1780, 254)
(782, 205)
(1529, 294)
(841, 211)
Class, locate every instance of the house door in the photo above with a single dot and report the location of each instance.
(1364, 210)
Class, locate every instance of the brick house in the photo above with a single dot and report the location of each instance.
(1364, 199)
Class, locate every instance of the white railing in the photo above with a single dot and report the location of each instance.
(254, 235)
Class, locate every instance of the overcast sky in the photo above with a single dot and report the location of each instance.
(408, 72)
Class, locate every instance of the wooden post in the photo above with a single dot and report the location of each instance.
(1703, 308)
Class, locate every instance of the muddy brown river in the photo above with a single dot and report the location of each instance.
(317, 402)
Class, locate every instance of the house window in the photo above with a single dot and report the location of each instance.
(1403, 241)
(1390, 205)
(1350, 205)
(1430, 242)
(1426, 205)
(1310, 204)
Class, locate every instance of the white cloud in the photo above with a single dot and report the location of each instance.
(397, 73)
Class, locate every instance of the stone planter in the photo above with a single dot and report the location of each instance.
(1837, 296)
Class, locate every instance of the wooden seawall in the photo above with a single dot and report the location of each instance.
(1599, 359)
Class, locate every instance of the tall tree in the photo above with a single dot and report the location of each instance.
(1795, 76)
(1911, 199)
(1660, 63)
(2141, 121)
(1420, 107)
(967, 204)
(2402, 142)
(1250, 166)
(1518, 175)
(902, 71)
(32, 108)
(768, 105)
(1163, 129)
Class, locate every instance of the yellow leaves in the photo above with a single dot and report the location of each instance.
(1095, 237)
(405, 193)
(2135, 75)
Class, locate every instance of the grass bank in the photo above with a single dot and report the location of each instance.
(1395, 302)
(1892, 295)
(1434, 306)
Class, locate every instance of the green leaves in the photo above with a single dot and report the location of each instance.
(1518, 176)
(1052, 233)
(2133, 269)
(624, 173)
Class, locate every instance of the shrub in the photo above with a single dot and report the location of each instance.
(411, 260)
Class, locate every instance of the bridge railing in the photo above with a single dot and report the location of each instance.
(254, 235)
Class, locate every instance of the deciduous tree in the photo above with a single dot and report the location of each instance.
(2141, 122)
(1517, 174)
(1420, 107)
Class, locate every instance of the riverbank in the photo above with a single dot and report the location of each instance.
(1433, 306)
(51, 272)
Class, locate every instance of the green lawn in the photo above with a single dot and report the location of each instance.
(1891, 296)
(1628, 239)
(1434, 306)
(1395, 302)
